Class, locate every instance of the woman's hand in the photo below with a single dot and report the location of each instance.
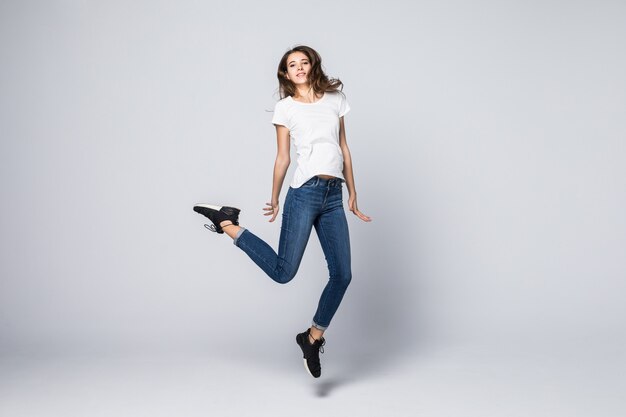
(272, 210)
(353, 208)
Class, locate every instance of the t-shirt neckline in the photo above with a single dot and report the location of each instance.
(300, 102)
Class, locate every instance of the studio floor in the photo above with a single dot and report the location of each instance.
(462, 379)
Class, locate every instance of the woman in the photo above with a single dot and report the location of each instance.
(311, 112)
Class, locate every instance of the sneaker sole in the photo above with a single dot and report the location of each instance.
(306, 366)
(216, 208)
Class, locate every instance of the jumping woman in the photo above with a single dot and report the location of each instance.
(310, 112)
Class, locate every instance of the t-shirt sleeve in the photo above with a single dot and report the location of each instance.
(344, 107)
(280, 115)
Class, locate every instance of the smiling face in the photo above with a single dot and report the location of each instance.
(298, 68)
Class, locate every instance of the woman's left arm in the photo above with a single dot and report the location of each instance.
(347, 172)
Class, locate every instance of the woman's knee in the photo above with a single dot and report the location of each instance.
(285, 275)
(343, 278)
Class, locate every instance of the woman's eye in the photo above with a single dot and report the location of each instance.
(303, 63)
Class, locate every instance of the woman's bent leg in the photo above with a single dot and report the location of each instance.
(297, 222)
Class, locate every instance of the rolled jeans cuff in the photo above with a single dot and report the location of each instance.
(317, 326)
(241, 230)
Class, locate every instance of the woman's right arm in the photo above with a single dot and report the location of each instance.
(280, 169)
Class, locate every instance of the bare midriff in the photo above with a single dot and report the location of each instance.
(326, 177)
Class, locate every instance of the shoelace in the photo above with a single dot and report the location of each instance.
(321, 345)
(212, 227)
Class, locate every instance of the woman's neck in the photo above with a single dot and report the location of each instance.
(306, 95)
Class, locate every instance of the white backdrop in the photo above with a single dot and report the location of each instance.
(489, 146)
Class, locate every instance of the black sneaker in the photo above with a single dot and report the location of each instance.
(311, 352)
(217, 214)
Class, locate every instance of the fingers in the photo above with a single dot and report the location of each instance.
(364, 217)
(353, 208)
(275, 213)
(271, 211)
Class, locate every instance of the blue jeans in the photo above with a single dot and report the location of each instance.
(317, 203)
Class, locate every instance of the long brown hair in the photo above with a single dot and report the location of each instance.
(318, 80)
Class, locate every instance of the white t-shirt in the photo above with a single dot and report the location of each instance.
(314, 130)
